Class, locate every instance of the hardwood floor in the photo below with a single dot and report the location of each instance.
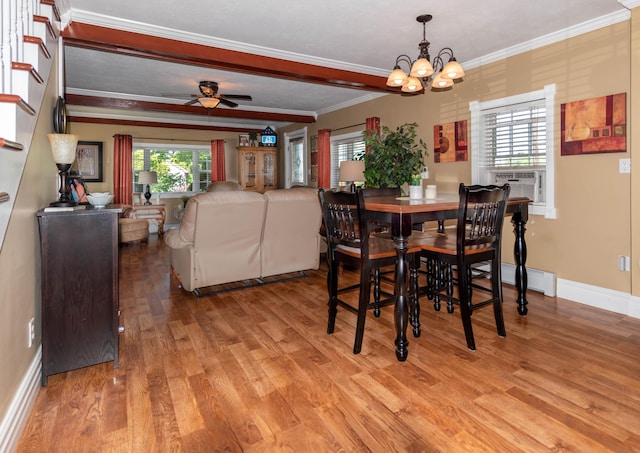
(254, 370)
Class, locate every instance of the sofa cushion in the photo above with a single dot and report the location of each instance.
(290, 238)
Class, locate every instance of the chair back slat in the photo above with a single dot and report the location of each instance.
(481, 215)
(342, 221)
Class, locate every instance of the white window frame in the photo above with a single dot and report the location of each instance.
(176, 146)
(335, 164)
(288, 165)
(547, 208)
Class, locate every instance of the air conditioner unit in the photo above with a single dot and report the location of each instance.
(523, 183)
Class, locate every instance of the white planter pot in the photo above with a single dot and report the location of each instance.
(415, 192)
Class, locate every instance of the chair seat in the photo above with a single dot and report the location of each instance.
(379, 247)
(444, 243)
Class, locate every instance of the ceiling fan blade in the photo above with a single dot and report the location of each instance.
(227, 103)
(191, 102)
(242, 97)
(179, 95)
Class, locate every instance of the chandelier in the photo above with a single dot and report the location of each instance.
(422, 70)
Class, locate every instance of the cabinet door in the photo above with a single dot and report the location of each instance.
(248, 169)
(268, 170)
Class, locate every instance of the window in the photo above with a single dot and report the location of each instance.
(296, 157)
(180, 168)
(344, 147)
(512, 140)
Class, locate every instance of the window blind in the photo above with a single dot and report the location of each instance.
(515, 137)
(344, 150)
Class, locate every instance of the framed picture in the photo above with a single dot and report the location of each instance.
(591, 126)
(243, 140)
(450, 142)
(89, 161)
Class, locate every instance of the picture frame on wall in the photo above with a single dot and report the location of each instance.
(243, 140)
(88, 164)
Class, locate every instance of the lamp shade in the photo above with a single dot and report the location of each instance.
(351, 171)
(397, 77)
(421, 68)
(147, 177)
(453, 69)
(209, 102)
(413, 84)
(63, 147)
(440, 82)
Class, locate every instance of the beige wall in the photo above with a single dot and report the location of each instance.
(592, 198)
(20, 256)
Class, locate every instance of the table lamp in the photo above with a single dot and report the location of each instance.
(352, 171)
(147, 177)
(63, 148)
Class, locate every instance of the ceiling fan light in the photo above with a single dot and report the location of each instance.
(453, 69)
(421, 68)
(413, 85)
(208, 102)
(397, 77)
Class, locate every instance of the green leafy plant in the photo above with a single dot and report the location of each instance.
(393, 157)
(416, 180)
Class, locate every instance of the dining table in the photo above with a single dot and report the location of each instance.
(403, 213)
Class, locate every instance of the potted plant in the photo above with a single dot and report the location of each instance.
(415, 186)
(393, 156)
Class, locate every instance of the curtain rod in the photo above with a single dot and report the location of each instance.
(156, 139)
(347, 127)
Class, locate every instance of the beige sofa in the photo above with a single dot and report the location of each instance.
(231, 236)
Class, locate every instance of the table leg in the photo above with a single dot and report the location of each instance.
(401, 229)
(401, 313)
(520, 255)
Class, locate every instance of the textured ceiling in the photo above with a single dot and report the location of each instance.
(358, 35)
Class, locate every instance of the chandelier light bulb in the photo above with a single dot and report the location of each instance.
(397, 78)
(413, 84)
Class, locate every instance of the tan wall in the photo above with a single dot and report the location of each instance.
(20, 256)
(592, 198)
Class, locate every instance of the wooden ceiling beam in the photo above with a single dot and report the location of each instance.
(123, 122)
(129, 104)
(129, 43)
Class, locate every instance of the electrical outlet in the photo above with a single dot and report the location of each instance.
(31, 327)
(625, 165)
(624, 263)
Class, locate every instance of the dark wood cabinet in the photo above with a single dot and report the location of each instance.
(80, 306)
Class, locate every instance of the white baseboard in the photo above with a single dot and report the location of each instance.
(16, 416)
(594, 296)
(537, 280)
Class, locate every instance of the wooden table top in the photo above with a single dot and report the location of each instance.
(443, 202)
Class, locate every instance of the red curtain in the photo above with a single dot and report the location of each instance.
(218, 172)
(373, 123)
(324, 158)
(122, 169)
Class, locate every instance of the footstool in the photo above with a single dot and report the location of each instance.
(133, 230)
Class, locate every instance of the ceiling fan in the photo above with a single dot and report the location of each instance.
(209, 97)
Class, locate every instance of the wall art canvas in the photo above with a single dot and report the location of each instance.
(597, 125)
(450, 142)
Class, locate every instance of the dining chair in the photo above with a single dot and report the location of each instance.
(351, 242)
(451, 257)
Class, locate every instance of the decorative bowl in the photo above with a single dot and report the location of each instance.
(99, 199)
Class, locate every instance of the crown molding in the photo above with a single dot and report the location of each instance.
(551, 38)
